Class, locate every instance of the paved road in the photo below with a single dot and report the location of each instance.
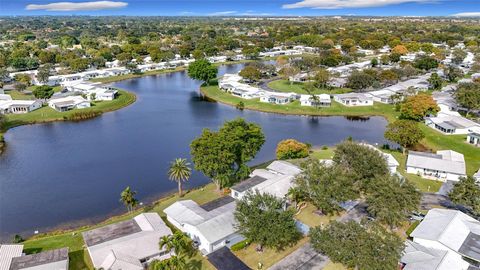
(264, 84)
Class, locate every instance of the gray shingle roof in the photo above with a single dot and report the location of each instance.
(41, 258)
(110, 232)
(249, 183)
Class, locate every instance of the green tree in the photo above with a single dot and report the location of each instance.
(458, 56)
(360, 80)
(368, 246)
(44, 73)
(467, 192)
(363, 162)
(425, 63)
(392, 199)
(435, 81)
(127, 197)
(468, 96)
(222, 155)
(256, 210)
(43, 92)
(404, 132)
(418, 106)
(177, 242)
(202, 70)
(326, 186)
(291, 149)
(179, 172)
(251, 73)
(452, 73)
(321, 78)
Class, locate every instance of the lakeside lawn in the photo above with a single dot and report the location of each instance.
(297, 87)
(79, 258)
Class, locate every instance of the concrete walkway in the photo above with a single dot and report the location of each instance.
(304, 258)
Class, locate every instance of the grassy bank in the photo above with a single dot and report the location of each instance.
(433, 140)
(297, 87)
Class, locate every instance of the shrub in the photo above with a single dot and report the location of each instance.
(78, 116)
(240, 245)
(290, 149)
(240, 105)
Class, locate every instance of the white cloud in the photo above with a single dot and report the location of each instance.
(222, 13)
(466, 14)
(336, 4)
(78, 6)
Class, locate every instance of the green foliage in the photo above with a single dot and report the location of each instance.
(435, 81)
(468, 95)
(43, 92)
(240, 106)
(453, 73)
(364, 247)
(251, 73)
(202, 70)
(360, 80)
(82, 115)
(362, 161)
(17, 239)
(179, 171)
(240, 245)
(425, 63)
(178, 242)
(262, 219)
(404, 132)
(467, 192)
(326, 186)
(391, 199)
(222, 155)
(291, 149)
(127, 197)
(321, 78)
(418, 106)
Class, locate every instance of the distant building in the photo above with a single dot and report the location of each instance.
(12, 258)
(473, 136)
(19, 106)
(68, 103)
(354, 99)
(128, 245)
(444, 165)
(322, 100)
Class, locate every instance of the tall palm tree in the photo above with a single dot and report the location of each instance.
(179, 171)
(127, 197)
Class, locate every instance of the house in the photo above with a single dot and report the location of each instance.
(444, 165)
(473, 136)
(382, 96)
(276, 180)
(19, 106)
(211, 226)
(418, 257)
(112, 64)
(451, 123)
(354, 99)
(68, 103)
(278, 98)
(476, 176)
(322, 100)
(392, 163)
(451, 231)
(337, 82)
(127, 245)
(300, 77)
(12, 258)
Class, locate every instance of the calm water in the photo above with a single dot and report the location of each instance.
(64, 174)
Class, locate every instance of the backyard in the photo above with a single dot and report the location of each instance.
(298, 87)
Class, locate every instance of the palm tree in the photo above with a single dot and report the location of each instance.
(166, 242)
(179, 171)
(127, 197)
(177, 242)
(176, 262)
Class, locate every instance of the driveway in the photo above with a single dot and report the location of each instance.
(357, 213)
(432, 200)
(264, 84)
(304, 258)
(446, 188)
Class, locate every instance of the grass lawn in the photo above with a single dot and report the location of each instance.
(47, 114)
(308, 216)
(19, 95)
(79, 258)
(323, 153)
(334, 266)
(214, 93)
(297, 87)
(268, 257)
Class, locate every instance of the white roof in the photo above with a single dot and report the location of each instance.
(359, 96)
(418, 257)
(213, 225)
(449, 227)
(453, 120)
(119, 261)
(391, 161)
(7, 253)
(283, 167)
(446, 160)
(73, 99)
(4, 97)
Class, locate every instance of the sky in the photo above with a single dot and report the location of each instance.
(460, 8)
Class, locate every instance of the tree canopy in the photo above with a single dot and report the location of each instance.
(404, 132)
(467, 192)
(418, 106)
(202, 70)
(290, 149)
(468, 95)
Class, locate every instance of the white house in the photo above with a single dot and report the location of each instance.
(278, 98)
(444, 165)
(451, 231)
(276, 180)
(382, 96)
(322, 100)
(354, 99)
(211, 226)
(473, 136)
(112, 64)
(127, 245)
(418, 257)
(19, 106)
(450, 123)
(68, 103)
(12, 258)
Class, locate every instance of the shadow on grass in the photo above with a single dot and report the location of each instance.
(79, 260)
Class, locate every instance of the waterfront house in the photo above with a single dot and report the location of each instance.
(19, 106)
(13, 258)
(416, 256)
(449, 123)
(444, 165)
(211, 226)
(451, 231)
(322, 100)
(382, 96)
(278, 98)
(275, 180)
(473, 136)
(128, 245)
(354, 99)
(68, 103)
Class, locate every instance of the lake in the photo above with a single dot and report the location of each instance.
(64, 174)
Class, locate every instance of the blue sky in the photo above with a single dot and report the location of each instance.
(242, 7)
